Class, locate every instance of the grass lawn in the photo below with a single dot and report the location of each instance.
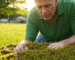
(15, 32)
(11, 33)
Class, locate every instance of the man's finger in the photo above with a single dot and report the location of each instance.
(26, 48)
(16, 49)
(50, 46)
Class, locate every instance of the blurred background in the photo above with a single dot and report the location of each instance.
(15, 10)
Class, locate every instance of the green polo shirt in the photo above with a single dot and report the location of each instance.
(63, 27)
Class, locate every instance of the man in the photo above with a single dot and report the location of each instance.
(55, 19)
(8, 19)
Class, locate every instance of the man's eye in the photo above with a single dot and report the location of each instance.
(48, 5)
(39, 7)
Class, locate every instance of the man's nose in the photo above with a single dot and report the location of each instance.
(44, 11)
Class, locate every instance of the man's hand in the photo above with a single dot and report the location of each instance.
(21, 46)
(56, 45)
(63, 43)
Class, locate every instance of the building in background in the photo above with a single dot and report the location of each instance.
(20, 19)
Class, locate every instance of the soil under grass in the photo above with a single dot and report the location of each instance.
(38, 51)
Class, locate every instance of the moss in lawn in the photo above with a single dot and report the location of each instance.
(7, 52)
(39, 51)
(2, 48)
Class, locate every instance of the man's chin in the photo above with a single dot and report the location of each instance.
(46, 19)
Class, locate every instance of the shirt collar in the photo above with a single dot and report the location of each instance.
(60, 9)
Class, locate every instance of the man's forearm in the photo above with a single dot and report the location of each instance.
(69, 41)
(62, 43)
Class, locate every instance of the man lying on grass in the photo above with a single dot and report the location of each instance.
(55, 19)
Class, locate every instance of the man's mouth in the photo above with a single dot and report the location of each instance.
(48, 15)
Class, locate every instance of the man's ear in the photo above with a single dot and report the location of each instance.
(56, 2)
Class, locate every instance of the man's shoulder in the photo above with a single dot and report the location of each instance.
(33, 11)
(67, 1)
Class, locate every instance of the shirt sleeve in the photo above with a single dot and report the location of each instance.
(73, 19)
(31, 28)
(73, 26)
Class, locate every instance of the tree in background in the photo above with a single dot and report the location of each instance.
(7, 10)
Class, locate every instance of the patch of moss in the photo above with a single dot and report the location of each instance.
(2, 48)
(39, 51)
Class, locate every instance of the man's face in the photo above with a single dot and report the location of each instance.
(46, 8)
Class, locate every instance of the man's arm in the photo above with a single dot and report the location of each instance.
(21, 46)
(69, 41)
(62, 43)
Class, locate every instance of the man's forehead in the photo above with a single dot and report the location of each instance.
(42, 0)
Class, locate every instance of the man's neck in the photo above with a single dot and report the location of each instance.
(54, 17)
